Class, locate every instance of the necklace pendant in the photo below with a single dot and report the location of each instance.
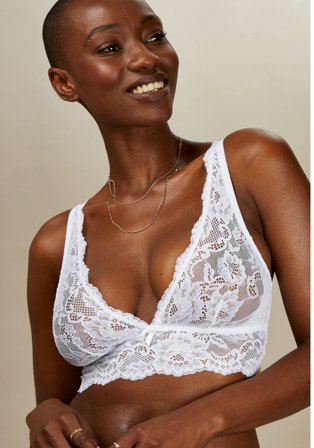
(112, 188)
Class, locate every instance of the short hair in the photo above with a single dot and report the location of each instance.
(55, 28)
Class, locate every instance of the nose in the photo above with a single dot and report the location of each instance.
(141, 58)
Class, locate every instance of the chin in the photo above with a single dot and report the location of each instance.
(152, 117)
(138, 117)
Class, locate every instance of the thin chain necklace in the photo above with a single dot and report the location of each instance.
(160, 205)
(112, 184)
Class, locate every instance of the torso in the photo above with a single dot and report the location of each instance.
(117, 406)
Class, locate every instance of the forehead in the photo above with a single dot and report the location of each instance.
(84, 15)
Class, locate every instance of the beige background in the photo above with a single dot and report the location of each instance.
(243, 63)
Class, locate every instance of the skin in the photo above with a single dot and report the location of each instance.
(202, 410)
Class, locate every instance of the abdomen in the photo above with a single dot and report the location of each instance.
(113, 409)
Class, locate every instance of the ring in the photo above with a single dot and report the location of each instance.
(73, 433)
(116, 445)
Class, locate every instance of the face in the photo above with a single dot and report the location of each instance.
(120, 65)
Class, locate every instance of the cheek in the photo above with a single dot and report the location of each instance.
(97, 78)
(175, 59)
(171, 59)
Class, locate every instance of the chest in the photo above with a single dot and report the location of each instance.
(132, 271)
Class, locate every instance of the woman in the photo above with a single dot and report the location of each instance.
(158, 286)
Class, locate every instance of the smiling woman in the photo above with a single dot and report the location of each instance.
(159, 285)
(96, 53)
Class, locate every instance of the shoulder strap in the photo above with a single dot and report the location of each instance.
(225, 179)
(70, 238)
(208, 156)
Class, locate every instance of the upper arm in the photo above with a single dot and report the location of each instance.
(54, 377)
(280, 191)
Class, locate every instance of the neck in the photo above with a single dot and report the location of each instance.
(139, 156)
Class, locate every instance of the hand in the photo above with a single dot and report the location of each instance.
(52, 423)
(184, 428)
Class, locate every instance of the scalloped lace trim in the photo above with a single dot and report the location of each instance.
(172, 356)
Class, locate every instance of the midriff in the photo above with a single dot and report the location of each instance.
(116, 407)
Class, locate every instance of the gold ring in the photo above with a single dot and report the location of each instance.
(116, 445)
(73, 433)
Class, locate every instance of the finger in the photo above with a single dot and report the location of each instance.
(129, 440)
(59, 441)
(78, 432)
(138, 437)
(83, 438)
(115, 445)
(52, 437)
(40, 442)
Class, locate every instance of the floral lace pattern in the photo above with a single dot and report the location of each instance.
(213, 316)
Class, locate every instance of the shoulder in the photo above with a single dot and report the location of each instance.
(253, 144)
(259, 155)
(47, 245)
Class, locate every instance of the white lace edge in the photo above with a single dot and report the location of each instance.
(88, 380)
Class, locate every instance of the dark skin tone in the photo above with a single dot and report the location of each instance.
(201, 410)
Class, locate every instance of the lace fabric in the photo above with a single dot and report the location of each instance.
(212, 317)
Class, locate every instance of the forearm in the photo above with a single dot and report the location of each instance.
(277, 392)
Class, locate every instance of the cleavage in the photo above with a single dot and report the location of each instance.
(133, 272)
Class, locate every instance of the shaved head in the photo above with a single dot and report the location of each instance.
(55, 29)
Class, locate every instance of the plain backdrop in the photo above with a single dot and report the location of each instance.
(244, 63)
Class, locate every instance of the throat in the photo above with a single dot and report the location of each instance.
(149, 184)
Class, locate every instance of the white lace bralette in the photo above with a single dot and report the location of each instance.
(212, 317)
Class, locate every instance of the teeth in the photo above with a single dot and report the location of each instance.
(151, 87)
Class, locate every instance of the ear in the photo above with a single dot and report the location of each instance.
(63, 84)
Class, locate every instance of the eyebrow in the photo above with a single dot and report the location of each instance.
(110, 26)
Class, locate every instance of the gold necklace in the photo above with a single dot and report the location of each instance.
(160, 205)
(150, 223)
(112, 184)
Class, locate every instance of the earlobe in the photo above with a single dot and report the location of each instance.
(62, 83)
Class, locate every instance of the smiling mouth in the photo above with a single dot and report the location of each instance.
(150, 87)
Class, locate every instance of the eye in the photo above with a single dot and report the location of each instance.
(109, 48)
(157, 37)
